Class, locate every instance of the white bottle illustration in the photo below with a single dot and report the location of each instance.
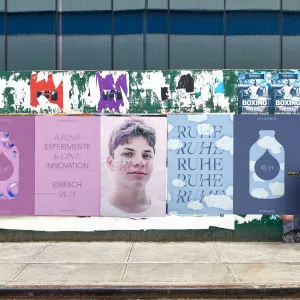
(266, 167)
(9, 168)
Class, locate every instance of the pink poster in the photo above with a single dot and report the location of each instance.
(16, 166)
(67, 166)
(133, 166)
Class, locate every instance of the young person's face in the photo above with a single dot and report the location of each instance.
(132, 163)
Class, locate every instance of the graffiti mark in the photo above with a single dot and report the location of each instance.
(177, 91)
(186, 82)
(113, 92)
(129, 166)
(164, 93)
(43, 92)
(108, 91)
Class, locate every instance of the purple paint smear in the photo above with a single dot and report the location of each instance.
(110, 92)
(129, 166)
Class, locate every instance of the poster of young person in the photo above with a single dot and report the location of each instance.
(266, 149)
(67, 166)
(200, 164)
(133, 166)
(254, 92)
(286, 91)
(17, 166)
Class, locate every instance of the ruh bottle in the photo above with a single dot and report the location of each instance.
(9, 168)
(266, 167)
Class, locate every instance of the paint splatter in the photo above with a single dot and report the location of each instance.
(173, 91)
(177, 91)
(114, 90)
(81, 92)
(45, 94)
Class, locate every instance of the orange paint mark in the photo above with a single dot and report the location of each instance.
(47, 89)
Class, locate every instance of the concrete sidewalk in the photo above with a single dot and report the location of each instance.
(136, 264)
(149, 264)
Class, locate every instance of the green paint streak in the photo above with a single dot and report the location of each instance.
(170, 79)
(198, 110)
(266, 229)
(210, 104)
(195, 73)
(141, 100)
(81, 81)
(265, 221)
(139, 78)
(230, 89)
(9, 101)
(135, 90)
(169, 105)
(25, 76)
(7, 93)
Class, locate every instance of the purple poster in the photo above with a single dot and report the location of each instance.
(133, 166)
(17, 166)
(67, 166)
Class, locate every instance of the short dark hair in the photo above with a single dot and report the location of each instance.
(132, 127)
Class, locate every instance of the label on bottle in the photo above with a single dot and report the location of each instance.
(267, 167)
(6, 167)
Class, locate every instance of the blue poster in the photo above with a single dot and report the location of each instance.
(286, 91)
(200, 164)
(254, 92)
(266, 149)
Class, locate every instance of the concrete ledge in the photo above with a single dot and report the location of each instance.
(241, 233)
(153, 292)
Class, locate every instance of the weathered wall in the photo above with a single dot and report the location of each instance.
(129, 92)
(138, 91)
